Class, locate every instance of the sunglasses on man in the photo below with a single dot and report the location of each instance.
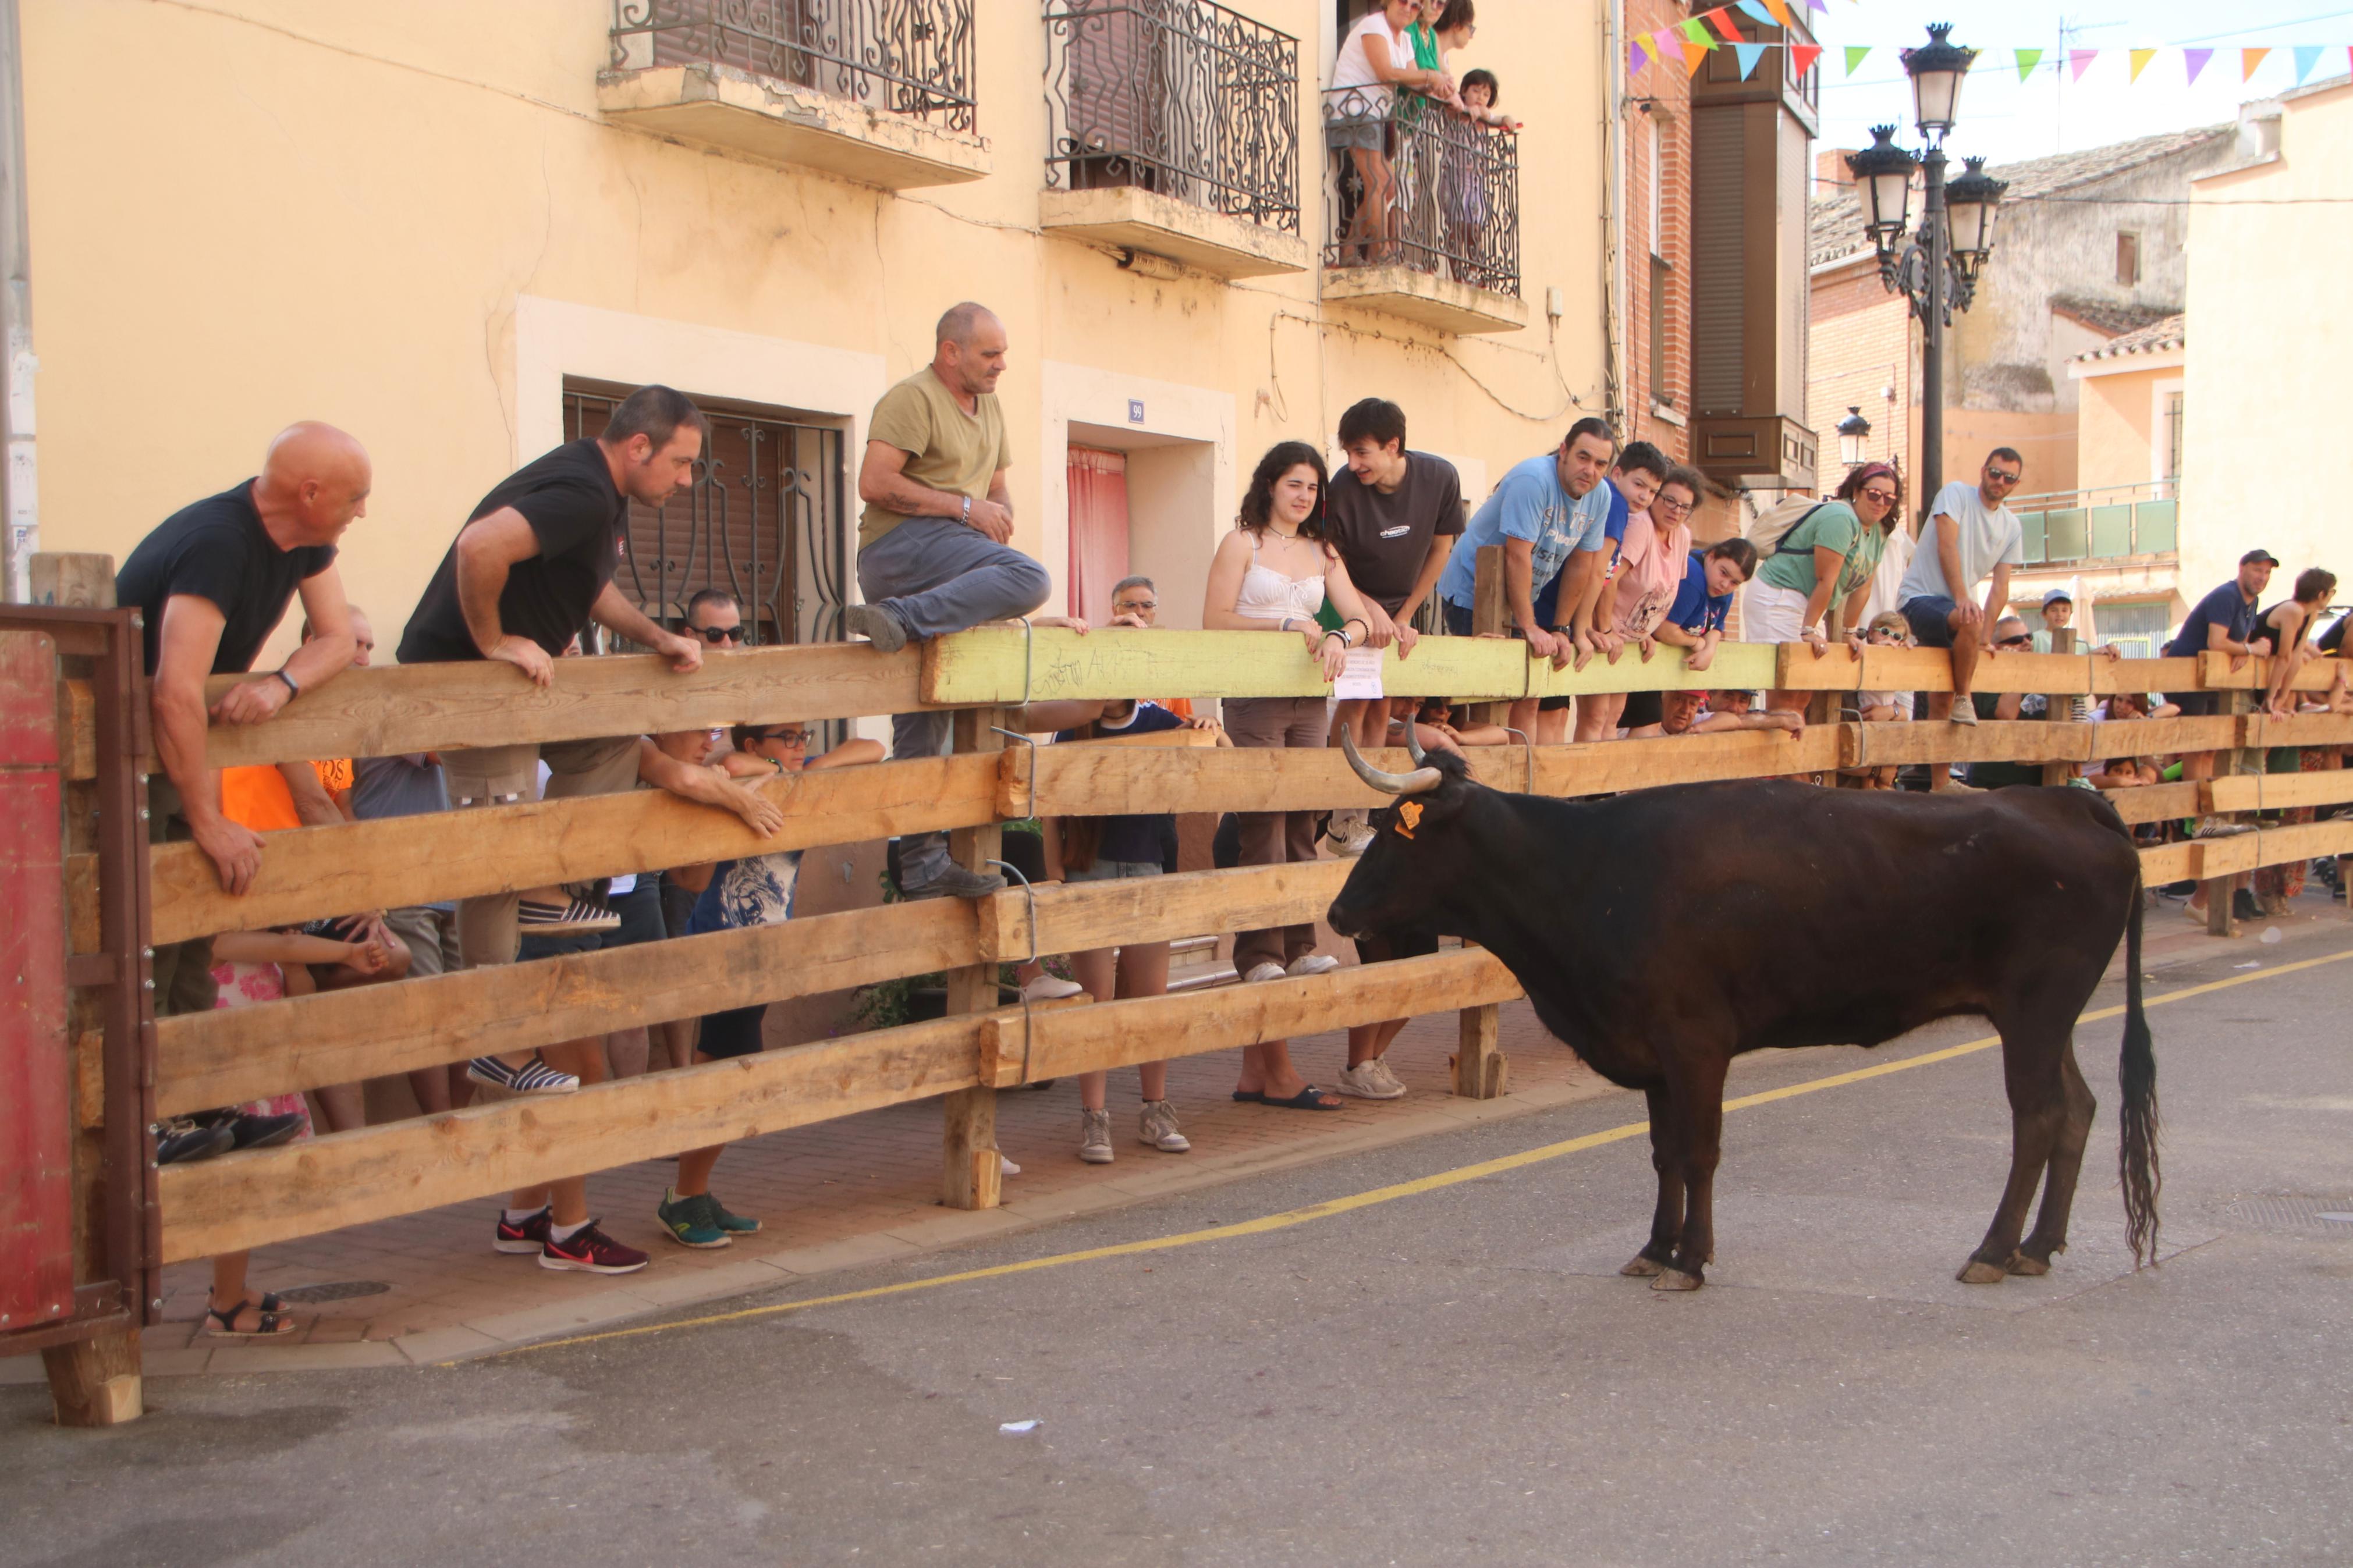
(717, 634)
(2018, 641)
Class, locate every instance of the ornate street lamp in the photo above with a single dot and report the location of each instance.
(1854, 437)
(1937, 270)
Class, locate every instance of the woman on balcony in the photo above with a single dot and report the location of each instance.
(1272, 574)
(1374, 61)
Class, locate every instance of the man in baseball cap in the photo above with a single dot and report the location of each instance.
(2223, 622)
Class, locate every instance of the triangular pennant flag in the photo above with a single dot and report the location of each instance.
(2306, 56)
(1781, 15)
(2026, 60)
(1816, 5)
(1636, 57)
(1854, 54)
(1802, 57)
(2194, 61)
(2081, 59)
(1757, 13)
(1723, 25)
(2140, 59)
(1750, 55)
(2247, 60)
(1693, 32)
(1694, 57)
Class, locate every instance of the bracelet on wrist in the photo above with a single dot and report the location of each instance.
(291, 689)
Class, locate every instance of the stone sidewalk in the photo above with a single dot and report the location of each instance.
(428, 1288)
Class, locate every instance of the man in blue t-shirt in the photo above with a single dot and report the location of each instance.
(1550, 514)
(2222, 622)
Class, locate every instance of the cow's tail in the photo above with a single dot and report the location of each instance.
(2137, 1075)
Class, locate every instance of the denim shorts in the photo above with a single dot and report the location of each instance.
(1927, 613)
(1113, 871)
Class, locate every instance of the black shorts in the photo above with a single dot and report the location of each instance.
(2196, 704)
(1641, 708)
(1554, 704)
(640, 910)
(1928, 615)
(733, 1033)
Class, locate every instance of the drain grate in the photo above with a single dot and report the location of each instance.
(341, 1291)
(2295, 1215)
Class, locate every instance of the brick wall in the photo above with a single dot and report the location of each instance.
(1659, 96)
(1860, 341)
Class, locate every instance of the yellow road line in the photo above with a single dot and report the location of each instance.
(1419, 1185)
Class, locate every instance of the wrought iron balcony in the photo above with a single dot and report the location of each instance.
(1161, 113)
(1424, 211)
(880, 90)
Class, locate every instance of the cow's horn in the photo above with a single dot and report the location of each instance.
(1421, 781)
(1413, 745)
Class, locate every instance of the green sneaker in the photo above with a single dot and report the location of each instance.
(733, 1223)
(692, 1222)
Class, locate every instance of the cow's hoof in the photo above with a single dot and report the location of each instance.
(1675, 1279)
(1980, 1272)
(2020, 1264)
(1642, 1266)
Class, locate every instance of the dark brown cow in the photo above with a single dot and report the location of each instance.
(1662, 933)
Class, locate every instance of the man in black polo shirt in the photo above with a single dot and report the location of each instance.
(1393, 516)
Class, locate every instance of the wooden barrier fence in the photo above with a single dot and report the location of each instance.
(126, 1066)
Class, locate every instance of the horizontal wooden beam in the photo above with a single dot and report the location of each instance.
(997, 664)
(2110, 675)
(262, 1195)
(1740, 667)
(1155, 1028)
(2160, 736)
(2215, 673)
(1075, 916)
(236, 1054)
(2261, 792)
(2167, 863)
(2154, 802)
(391, 709)
(313, 871)
(1881, 745)
(2304, 729)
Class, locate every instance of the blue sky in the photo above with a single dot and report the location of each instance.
(2007, 120)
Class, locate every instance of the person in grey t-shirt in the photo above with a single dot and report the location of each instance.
(410, 785)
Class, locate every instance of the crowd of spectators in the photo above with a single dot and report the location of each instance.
(1598, 561)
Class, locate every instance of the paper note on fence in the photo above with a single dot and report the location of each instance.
(1361, 677)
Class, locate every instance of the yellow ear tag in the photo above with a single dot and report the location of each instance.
(1409, 817)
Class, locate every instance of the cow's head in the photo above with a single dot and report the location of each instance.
(1416, 854)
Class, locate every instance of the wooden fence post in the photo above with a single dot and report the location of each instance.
(2058, 708)
(970, 1173)
(72, 581)
(1479, 1070)
(2239, 760)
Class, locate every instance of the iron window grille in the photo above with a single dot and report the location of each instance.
(1452, 207)
(1179, 97)
(912, 58)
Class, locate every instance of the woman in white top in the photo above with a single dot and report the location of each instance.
(1374, 58)
(1273, 572)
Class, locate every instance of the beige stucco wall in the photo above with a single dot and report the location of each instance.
(2117, 431)
(411, 220)
(2269, 341)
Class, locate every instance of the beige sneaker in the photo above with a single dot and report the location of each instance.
(1367, 1081)
(1381, 1065)
(1156, 1127)
(1094, 1137)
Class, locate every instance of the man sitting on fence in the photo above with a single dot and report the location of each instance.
(933, 556)
(1972, 537)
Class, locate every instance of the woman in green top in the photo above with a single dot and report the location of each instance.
(1830, 556)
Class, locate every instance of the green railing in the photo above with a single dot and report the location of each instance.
(2113, 524)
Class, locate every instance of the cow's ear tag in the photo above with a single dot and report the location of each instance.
(1409, 817)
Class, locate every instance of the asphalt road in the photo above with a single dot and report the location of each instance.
(1451, 1372)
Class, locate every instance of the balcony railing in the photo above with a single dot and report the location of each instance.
(911, 57)
(1448, 203)
(2115, 523)
(1178, 97)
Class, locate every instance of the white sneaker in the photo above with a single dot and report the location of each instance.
(1094, 1137)
(1364, 1081)
(1270, 970)
(1050, 988)
(1158, 1128)
(1005, 1167)
(1311, 964)
(1348, 832)
(1964, 713)
(1389, 1078)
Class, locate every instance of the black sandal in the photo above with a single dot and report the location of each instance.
(1305, 1099)
(272, 1324)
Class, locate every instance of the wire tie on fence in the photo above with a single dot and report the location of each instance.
(1030, 742)
(1030, 892)
(1527, 749)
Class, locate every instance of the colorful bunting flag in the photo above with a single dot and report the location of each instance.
(2081, 59)
(1802, 57)
(2306, 59)
(2194, 61)
(1695, 56)
(1816, 5)
(2140, 59)
(1854, 55)
(1693, 32)
(1781, 15)
(1696, 38)
(1723, 25)
(2026, 60)
(1749, 54)
(2247, 60)
(1756, 12)
(1636, 58)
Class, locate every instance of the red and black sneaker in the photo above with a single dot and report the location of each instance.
(529, 1236)
(591, 1251)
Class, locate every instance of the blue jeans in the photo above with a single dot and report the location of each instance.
(939, 575)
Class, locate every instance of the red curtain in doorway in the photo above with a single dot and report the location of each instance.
(1098, 530)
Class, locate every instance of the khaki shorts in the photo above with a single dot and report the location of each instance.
(503, 775)
(432, 937)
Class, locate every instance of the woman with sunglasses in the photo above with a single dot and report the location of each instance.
(755, 891)
(1817, 579)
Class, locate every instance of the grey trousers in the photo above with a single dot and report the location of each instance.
(1276, 837)
(938, 575)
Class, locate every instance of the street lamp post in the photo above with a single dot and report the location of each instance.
(1937, 271)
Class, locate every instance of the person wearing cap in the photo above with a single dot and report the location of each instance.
(2223, 622)
(2058, 615)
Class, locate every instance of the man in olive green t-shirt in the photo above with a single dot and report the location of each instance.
(932, 551)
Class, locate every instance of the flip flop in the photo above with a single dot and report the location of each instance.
(1305, 1099)
(1249, 1096)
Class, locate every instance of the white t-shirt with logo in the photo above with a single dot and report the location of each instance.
(1988, 539)
(1353, 67)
